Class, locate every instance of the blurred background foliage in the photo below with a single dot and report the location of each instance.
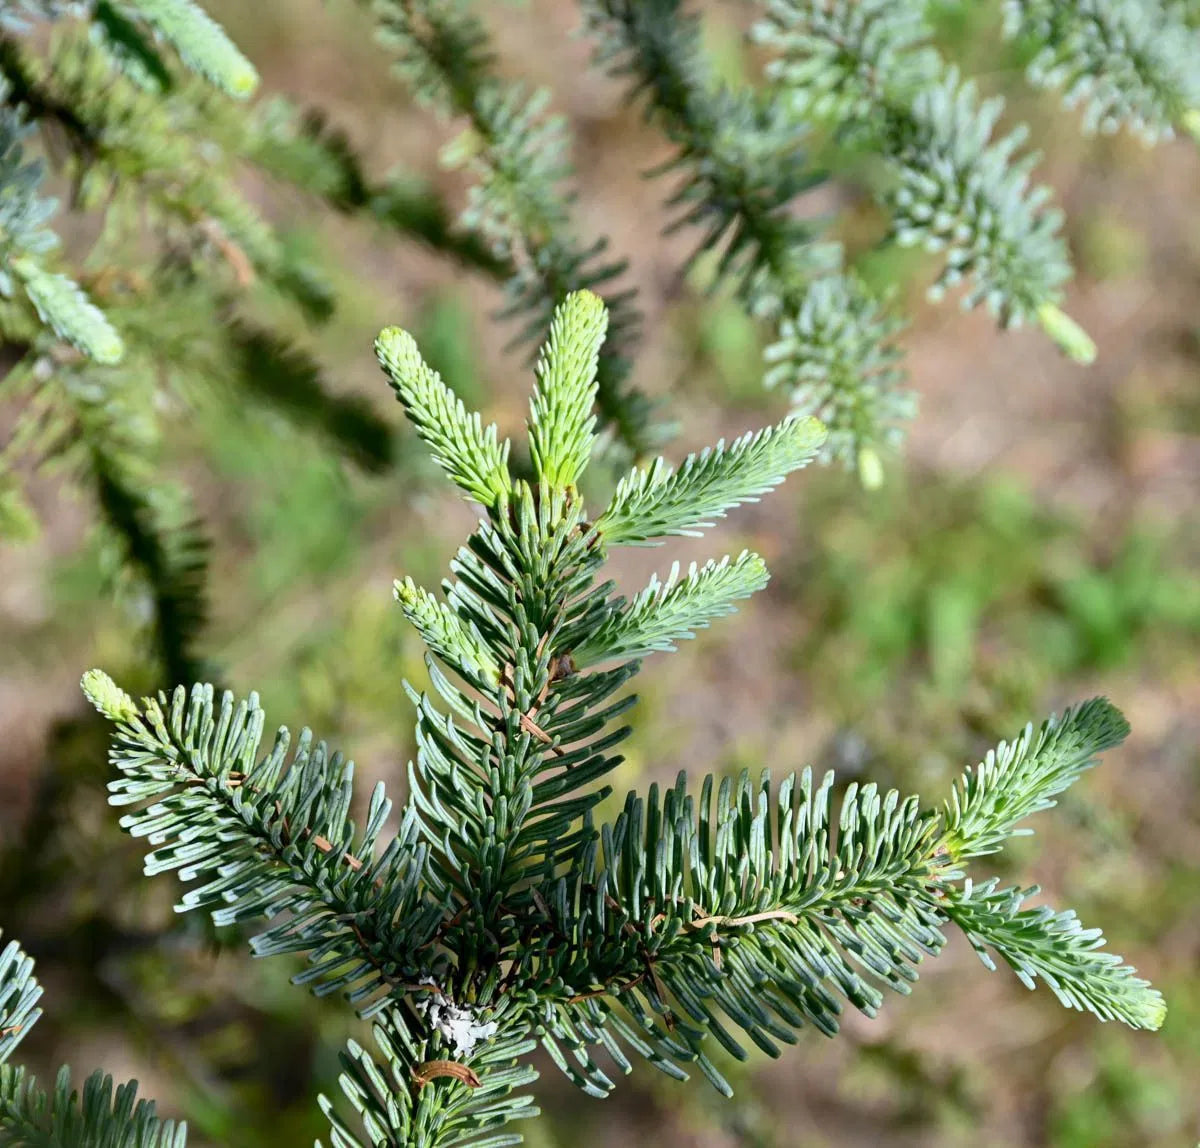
(1040, 544)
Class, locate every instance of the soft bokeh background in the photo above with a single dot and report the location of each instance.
(1039, 543)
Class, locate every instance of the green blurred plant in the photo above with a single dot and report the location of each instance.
(135, 102)
(160, 315)
(925, 580)
(951, 183)
(64, 1118)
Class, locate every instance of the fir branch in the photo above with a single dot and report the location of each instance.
(964, 193)
(65, 1118)
(561, 421)
(868, 68)
(835, 357)
(549, 720)
(289, 380)
(64, 306)
(1021, 778)
(1054, 947)
(457, 1102)
(172, 560)
(24, 211)
(201, 43)
(524, 585)
(306, 151)
(768, 908)
(499, 914)
(447, 636)
(147, 148)
(742, 168)
(1125, 63)
(97, 424)
(656, 502)
(519, 205)
(740, 158)
(269, 838)
(131, 45)
(666, 612)
(471, 454)
(95, 420)
(157, 160)
(25, 240)
(20, 993)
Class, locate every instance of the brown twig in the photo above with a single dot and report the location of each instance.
(526, 720)
(752, 919)
(615, 990)
(232, 252)
(429, 1070)
(325, 845)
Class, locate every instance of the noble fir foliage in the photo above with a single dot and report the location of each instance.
(1125, 63)
(520, 202)
(60, 1117)
(60, 302)
(739, 168)
(139, 108)
(499, 913)
(955, 185)
(868, 67)
(954, 182)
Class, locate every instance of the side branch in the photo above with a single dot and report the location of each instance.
(272, 838)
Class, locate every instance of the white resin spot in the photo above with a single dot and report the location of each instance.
(456, 1023)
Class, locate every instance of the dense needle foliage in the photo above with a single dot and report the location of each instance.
(497, 914)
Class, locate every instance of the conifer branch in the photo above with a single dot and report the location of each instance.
(172, 560)
(835, 358)
(1124, 63)
(201, 43)
(64, 307)
(519, 204)
(448, 1102)
(304, 150)
(500, 915)
(868, 68)
(25, 241)
(157, 159)
(471, 454)
(561, 421)
(64, 1118)
(1054, 947)
(97, 425)
(20, 993)
(271, 838)
(147, 151)
(286, 378)
(1023, 777)
(769, 908)
(446, 635)
(657, 502)
(742, 167)
(666, 612)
